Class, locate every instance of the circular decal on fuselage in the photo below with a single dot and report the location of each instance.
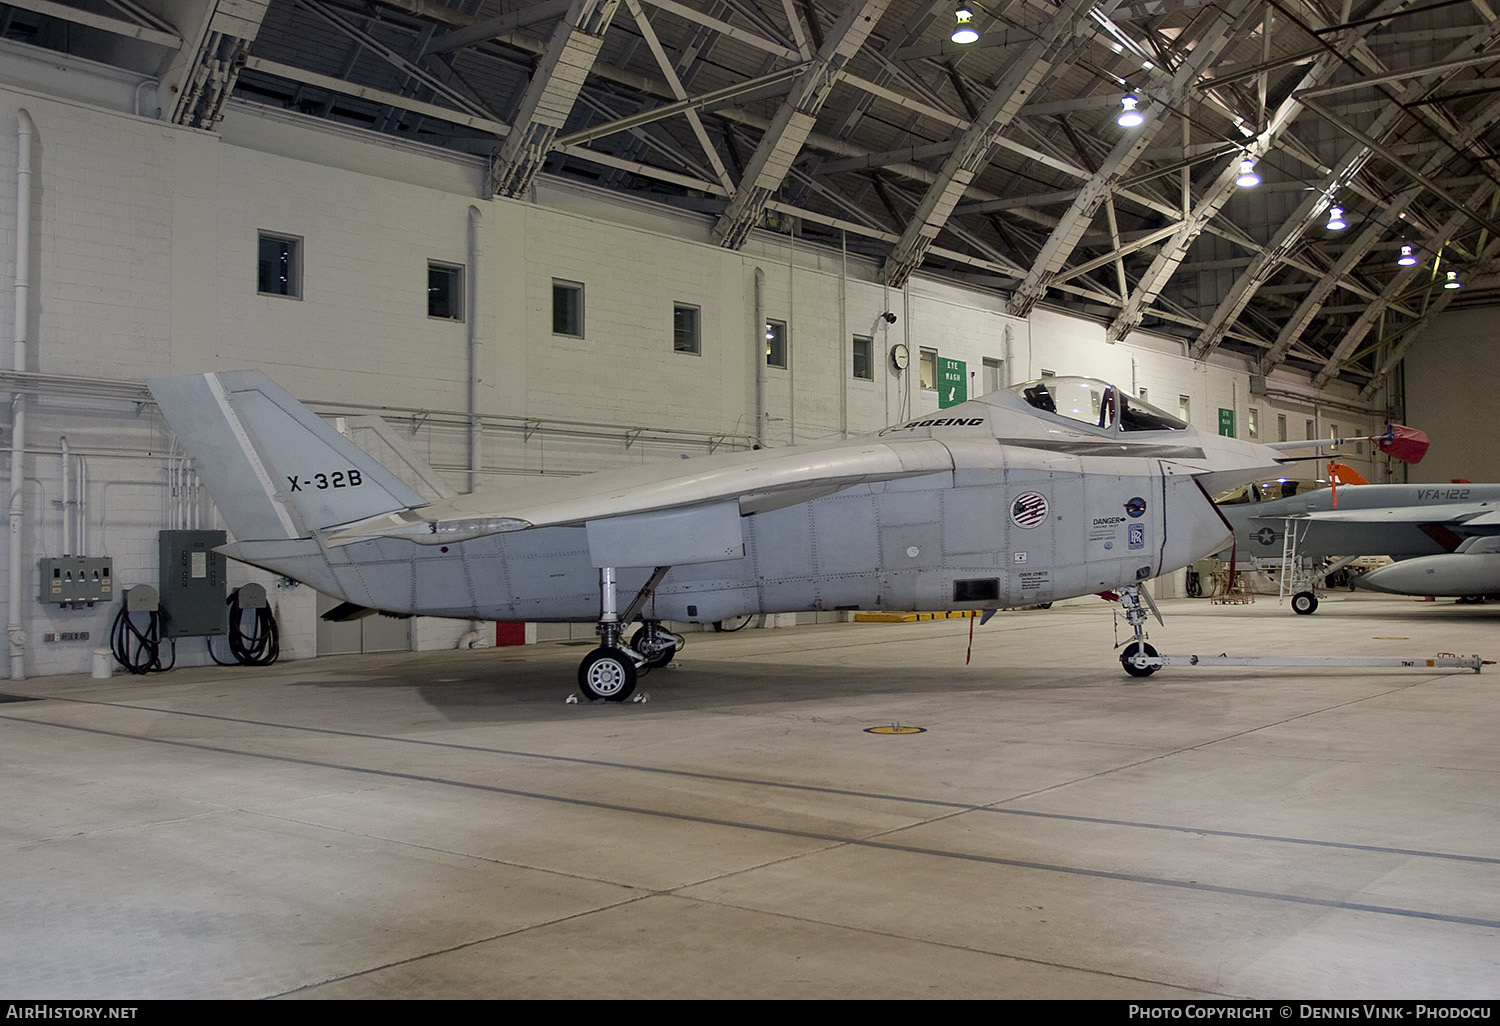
(1029, 510)
(1136, 507)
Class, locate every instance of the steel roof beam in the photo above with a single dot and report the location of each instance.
(794, 121)
(1058, 43)
(1394, 287)
(1060, 245)
(550, 96)
(1415, 71)
(1487, 264)
(1271, 258)
(398, 61)
(494, 28)
(380, 96)
(1370, 237)
(158, 33)
(1208, 206)
(202, 71)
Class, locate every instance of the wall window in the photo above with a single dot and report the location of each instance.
(776, 344)
(928, 367)
(1185, 409)
(1280, 427)
(864, 357)
(1252, 423)
(567, 308)
(279, 266)
(1144, 394)
(445, 291)
(685, 330)
(1312, 427)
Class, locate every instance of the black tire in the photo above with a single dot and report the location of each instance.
(1130, 651)
(1304, 603)
(607, 674)
(654, 661)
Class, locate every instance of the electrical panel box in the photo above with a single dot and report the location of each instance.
(75, 581)
(193, 583)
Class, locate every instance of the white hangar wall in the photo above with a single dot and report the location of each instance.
(144, 260)
(1452, 375)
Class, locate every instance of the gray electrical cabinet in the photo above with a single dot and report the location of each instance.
(193, 583)
(75, 581)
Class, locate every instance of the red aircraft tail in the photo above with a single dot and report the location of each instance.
(1403, 443)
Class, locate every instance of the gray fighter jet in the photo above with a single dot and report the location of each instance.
(1442, 536)
(1046, 490)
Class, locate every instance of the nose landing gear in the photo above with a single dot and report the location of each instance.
(1137, 655)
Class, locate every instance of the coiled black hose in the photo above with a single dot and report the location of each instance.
(260, 646)
(139, 651)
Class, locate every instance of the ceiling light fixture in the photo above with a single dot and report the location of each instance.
(1129, 116)
(1247, 178)
(1407, 257)
(1452, 282)
(1336, 222)
(964, 31)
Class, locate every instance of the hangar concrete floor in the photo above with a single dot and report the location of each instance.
(445, 825)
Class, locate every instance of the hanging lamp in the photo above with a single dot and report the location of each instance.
(964, 32)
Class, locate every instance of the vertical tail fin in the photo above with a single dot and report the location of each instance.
(274, 468)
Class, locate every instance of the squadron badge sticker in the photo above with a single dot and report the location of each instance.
(1029, 510)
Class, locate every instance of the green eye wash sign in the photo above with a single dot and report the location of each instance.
(952, 382)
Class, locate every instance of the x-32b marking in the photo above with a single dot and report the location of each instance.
(337, 479)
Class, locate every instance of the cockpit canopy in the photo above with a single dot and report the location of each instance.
(1267, 491)
(1096, 403)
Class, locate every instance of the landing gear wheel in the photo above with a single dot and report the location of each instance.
(658, 646)
(1304, 603)
(1127, 659)
(607, 673)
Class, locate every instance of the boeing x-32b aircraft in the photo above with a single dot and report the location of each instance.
(1047, 490)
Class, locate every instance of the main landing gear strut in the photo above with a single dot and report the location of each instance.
(610, 671)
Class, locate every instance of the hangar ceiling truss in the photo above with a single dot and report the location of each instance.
(997, 162)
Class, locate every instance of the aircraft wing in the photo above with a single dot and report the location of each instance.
(1474, 518)
(755, 482)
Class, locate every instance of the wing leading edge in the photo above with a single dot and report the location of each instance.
(757, 481)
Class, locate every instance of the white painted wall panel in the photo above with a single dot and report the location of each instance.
(1451, 378)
